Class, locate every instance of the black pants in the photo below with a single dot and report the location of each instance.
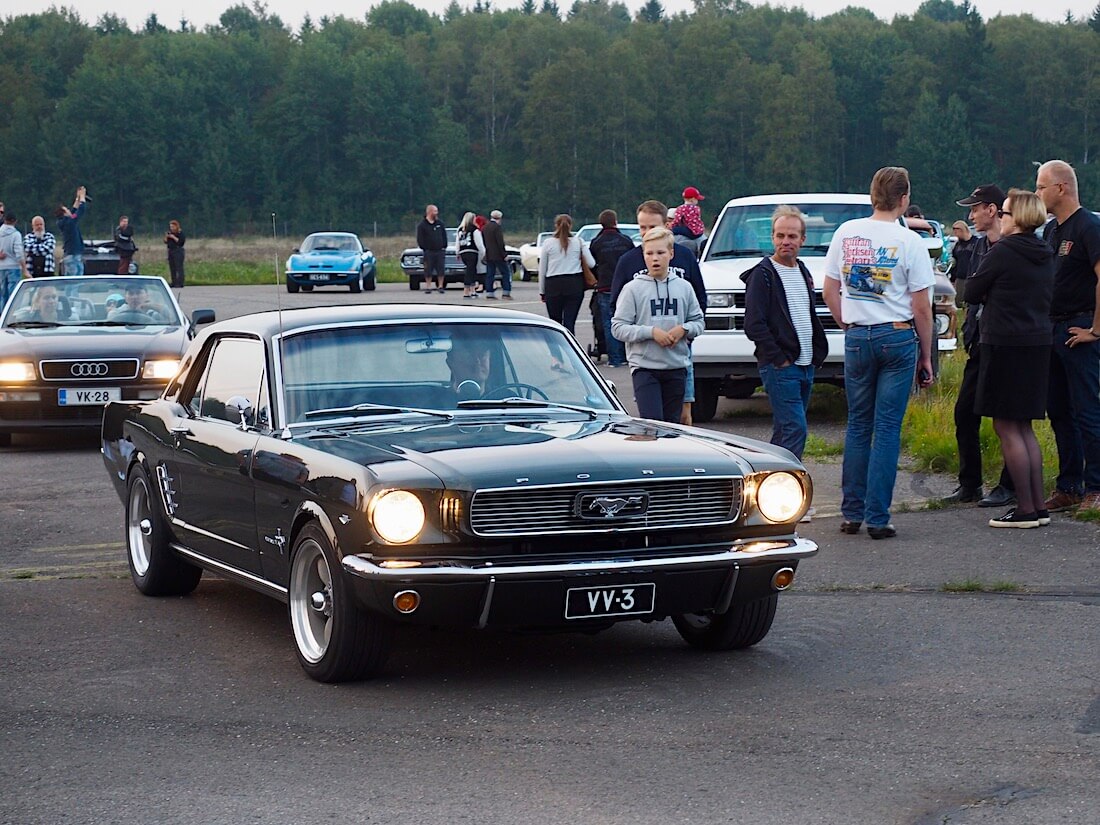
(469, 260)
(564, 296)
(659, 394)
(175, 266)
(968, 425)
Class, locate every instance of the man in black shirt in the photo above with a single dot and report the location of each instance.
(985, 203)
(607, 248)
(1073, 401)
(431, 237)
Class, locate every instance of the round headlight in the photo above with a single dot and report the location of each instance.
(779, 497)
(397, 516)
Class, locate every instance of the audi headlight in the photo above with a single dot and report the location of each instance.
(719, 299)
(397, 516)
(779, 497)
(160, 370)
(16, 371)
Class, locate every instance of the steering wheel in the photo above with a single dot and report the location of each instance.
(516, 385)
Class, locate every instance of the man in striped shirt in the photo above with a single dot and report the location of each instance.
(781, 321)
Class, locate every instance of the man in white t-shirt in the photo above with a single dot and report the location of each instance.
(878, 286)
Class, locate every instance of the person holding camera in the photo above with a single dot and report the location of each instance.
(68, 226)
(174, 239)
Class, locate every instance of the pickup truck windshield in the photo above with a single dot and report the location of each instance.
(746, 231)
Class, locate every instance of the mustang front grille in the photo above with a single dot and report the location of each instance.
(645, 504)
(89, 369)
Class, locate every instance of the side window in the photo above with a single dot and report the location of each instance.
(235, 370)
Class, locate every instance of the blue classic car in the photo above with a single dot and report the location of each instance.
(330, 259)
(446, 466)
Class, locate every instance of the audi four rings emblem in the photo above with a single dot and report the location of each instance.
(88, 369)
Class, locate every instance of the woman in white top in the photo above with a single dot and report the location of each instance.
(561, 277)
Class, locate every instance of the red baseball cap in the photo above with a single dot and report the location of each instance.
(692, 192)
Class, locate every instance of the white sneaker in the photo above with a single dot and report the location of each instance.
(806, 519)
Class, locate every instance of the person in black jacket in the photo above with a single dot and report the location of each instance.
(431, 237)
(1014, 283)
(607, 248)
(780, 319)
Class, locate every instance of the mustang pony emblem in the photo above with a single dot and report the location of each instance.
(592, 506)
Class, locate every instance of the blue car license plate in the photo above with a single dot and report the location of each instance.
(318, 276)
(624, 600)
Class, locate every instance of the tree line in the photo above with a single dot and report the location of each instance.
(358, 123)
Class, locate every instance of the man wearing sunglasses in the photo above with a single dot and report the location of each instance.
(1073, 398)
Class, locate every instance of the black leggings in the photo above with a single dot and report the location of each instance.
(175, 266)
(564, 296)
(469, 260)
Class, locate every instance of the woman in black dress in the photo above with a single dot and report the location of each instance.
(1014, 284)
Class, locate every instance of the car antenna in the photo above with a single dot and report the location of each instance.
(285, 434)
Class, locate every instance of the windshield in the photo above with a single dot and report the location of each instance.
(434, 367)
(746, 231)
(97, 301)
(331, 243)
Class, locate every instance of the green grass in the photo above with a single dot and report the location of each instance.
(818, 447)
(977, 586)
(1087, 515)
(250, 273)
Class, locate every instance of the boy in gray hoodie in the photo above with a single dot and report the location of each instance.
(656, 315)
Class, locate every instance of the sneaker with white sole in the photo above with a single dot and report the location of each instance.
(1014, 519)
(806, 519)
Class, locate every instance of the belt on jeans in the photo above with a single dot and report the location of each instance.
(894, 324)
(1069, 316)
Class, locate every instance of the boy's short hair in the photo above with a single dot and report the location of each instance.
(608, 219)
(658, 233)
(787, 211)
(653, 208)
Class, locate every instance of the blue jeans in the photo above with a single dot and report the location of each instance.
(9, 279)
(616, 349)
(879, 366)
(74, 264)
(1073, 404)
(788, 391)
(492, 270)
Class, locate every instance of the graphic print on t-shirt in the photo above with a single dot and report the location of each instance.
(867, 270)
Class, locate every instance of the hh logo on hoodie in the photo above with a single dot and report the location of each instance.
(663, 306)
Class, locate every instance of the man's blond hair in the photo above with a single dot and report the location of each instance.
(787, 211)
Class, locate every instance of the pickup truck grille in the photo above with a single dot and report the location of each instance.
(645, 504)
(718, 320)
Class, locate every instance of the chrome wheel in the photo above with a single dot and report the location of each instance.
(311, 601)
(139, 526)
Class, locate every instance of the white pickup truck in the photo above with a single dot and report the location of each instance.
(723, 355)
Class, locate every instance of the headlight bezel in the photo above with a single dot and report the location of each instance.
(17, 372)
(390, 509)
(778, 506)
(160, 369)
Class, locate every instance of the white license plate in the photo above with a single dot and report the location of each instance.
(625, 600)
(87, 398)
(318, 276)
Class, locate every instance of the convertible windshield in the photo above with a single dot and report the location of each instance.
(106, 302)
(333, 373)
(746, 231)
(331, 243)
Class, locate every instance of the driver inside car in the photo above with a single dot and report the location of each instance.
(469, 360)
(137, 307)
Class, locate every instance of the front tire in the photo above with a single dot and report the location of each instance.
(743, 625)
(291, 287)
(356, 285)
(155, 569)
(706, 400)
(336, 641)
(414, 281)
(369, 281)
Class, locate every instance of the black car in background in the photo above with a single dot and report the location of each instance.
(100, 258)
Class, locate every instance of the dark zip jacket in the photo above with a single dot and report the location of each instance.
(768, 321)
(1014, 283)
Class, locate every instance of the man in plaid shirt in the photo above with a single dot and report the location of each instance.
(38, 246)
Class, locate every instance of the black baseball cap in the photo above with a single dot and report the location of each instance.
(986, 193)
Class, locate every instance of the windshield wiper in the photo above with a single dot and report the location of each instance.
(35, 324)
(515, 401)
(362, 410)
(735, 253)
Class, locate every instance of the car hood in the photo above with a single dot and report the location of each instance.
(485, 453)
(92, 342)
(335, 260)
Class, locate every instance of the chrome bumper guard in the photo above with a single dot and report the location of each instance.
(742, 552)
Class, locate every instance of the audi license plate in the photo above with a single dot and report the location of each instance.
(625, 600)
(318, 276)
(88, 398)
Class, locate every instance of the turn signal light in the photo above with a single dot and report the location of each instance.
(406, 601)
(783, 578)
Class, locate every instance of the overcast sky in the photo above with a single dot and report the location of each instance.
(203, 12)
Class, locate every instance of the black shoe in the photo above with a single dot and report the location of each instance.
(1014, 519)
(999, 496)
(887, 531)
(850, 527)
(964, 495)
(1043, 516)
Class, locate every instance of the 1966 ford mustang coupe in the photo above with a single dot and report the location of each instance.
(448, 466)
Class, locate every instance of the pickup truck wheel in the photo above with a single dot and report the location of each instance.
(291, 287)
(706, 400)
(154, 567)
(335, 639)
(743, 389)
(743, 625)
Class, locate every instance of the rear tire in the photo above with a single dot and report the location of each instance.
(154, 567)
(743, 625)
(336, 641)
(706, 401)
(291, 287)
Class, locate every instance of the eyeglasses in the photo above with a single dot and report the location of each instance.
(1043, 186)
(1002, 212)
